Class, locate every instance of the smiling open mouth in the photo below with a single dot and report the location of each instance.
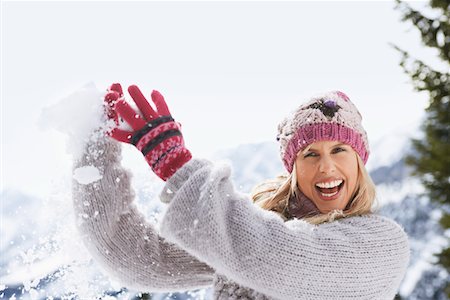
(329, 192)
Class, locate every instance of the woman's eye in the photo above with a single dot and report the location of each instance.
(338, 149)
(310, 154)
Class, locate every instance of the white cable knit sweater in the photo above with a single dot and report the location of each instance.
(212, 235)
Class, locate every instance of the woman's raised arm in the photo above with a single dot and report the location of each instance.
(118, 235)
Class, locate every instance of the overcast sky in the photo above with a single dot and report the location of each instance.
(230, 71)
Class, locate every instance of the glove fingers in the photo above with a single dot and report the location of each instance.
(160, 103)
(129, 115)
(142, 103)
(116, 87)
(110, 101)
(112, 96)
(120, 135)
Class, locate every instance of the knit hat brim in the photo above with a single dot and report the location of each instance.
(311, 133)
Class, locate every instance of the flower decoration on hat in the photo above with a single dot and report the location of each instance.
(328, 107)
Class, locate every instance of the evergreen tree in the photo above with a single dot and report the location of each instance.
(430, 158)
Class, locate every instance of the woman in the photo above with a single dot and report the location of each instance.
(314, 238)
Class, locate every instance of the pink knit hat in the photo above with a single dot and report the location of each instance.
(331, 117)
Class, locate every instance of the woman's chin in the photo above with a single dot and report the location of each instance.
(326, 207)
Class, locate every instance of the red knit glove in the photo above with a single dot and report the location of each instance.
(155, 133)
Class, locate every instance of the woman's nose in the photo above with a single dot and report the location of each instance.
(326, 165)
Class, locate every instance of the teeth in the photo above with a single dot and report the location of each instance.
(329, 185)
(329, 195)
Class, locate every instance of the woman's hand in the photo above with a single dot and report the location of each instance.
(154, 133)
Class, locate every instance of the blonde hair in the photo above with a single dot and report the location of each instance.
(274, 195)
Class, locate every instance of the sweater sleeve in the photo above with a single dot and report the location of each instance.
(363, 257)
(117, 234)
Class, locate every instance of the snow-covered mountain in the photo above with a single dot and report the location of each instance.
(42, 256)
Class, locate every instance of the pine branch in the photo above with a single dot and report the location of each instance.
(444, 5)
(423, 76)
(435, 32)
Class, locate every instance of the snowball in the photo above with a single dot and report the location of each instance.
(87, 174)
(77, 115)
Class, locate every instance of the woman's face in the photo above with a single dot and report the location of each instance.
(326, 173)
